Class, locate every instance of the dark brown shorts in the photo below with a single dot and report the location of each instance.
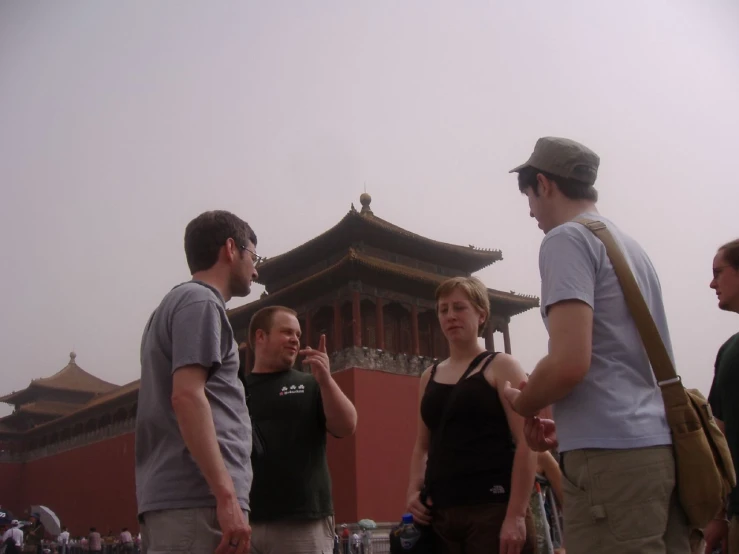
(476, 529)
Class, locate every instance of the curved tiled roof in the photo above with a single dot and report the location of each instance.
(129, 388)
(293, 286)
(475, 258)
(383, 265)
(73, 377)
(485, 254)
(5, 428)
(80, 410)
(70, 378)
(377, 264)
(44, 407)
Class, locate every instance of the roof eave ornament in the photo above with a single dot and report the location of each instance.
(365, 199)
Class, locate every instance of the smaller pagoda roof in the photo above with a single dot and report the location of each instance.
(70, 378)
(365, 226)
(5, 428)
(123, 392)
(49, 415)
(44, 407)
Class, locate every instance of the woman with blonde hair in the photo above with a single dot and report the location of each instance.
(471, 471)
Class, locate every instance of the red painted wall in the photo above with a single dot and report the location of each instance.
(342, 461)
(10, 486)
(90, 486)
(388, 408)
(94, 485)
(370, 470)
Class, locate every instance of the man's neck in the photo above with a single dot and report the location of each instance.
(569, 210)
(264, 368)
(214, 279)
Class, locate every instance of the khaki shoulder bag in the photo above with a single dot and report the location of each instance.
(704, 471)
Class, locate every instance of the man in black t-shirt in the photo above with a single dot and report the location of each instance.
(291, 507)
(724, 395)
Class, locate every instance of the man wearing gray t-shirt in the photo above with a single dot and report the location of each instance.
(193, 432)
(617, 461)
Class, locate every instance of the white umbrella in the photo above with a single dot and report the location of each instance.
(48, 519)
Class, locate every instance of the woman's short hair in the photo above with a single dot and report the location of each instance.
(474, 289)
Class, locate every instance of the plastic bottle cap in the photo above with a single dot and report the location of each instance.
(407, 518)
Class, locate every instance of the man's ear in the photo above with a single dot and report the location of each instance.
(545, 185)
(230, 250)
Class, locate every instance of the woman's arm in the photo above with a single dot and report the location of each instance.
(506, 368)
(418, 461)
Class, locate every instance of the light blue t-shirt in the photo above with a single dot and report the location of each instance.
(190, 327)
(618, 404)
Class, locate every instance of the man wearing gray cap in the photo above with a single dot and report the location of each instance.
(617, 461)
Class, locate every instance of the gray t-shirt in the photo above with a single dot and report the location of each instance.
(618, 404)
(190, 327)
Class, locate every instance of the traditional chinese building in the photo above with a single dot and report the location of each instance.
(69, 445)
(367, 284)
(52, 397)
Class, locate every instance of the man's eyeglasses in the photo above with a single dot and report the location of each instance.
(256, 258)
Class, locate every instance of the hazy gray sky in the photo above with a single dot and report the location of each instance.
(120, 121)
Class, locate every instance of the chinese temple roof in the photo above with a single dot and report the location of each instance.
(48, 408)
(9, 424)
(71, 378)
(360, 264)
(120, 392)
(33, 413)
(5, 428)
(364, 226)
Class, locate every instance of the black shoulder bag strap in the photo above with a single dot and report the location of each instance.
(473, 364)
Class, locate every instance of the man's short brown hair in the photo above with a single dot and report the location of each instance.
(476, 292)
(730, 252)
(262, 321)
(207, 233)
(570, 188)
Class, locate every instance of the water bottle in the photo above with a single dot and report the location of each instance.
(409, 533)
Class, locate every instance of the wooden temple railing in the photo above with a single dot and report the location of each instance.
(31, 452)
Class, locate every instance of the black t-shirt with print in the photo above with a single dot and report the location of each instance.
(291, 481)
(724, 400)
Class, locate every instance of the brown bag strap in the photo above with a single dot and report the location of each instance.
(660, 360)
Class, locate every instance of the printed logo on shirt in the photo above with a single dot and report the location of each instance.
(293, 389)
(497, 489)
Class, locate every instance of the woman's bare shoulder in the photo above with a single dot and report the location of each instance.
(505, 367)
(426, 375)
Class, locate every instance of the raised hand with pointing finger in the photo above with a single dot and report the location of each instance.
(341, 416)
(318, 361)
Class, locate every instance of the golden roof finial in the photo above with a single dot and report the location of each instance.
(365, 199)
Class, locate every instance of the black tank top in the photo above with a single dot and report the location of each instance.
(471, 460)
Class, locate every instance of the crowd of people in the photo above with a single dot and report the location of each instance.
(226, 463)
(35, 539)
